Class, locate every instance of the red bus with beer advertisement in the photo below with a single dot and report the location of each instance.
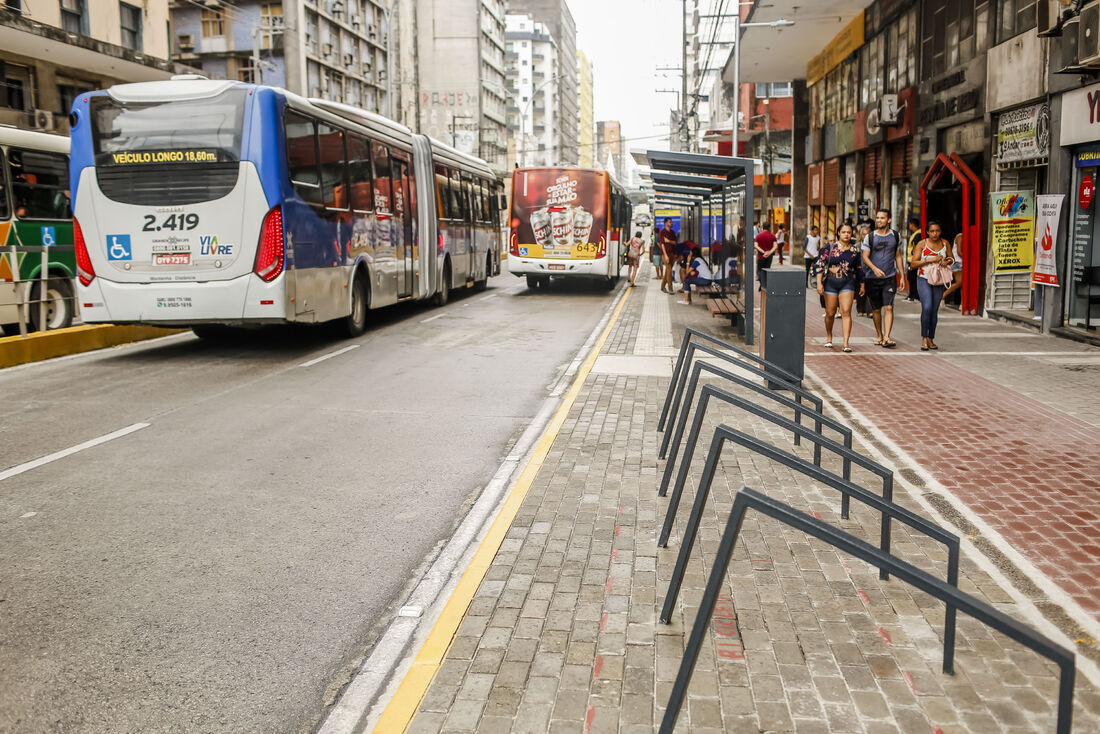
(568, 222)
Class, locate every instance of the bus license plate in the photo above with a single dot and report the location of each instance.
(172, 258)
(556, 266)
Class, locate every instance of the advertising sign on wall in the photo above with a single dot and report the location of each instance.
(1013, 231)
(1049, 207)
(1023, 134)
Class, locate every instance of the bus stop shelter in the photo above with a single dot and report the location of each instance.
(689, 180)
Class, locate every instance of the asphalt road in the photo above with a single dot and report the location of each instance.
(222, 569)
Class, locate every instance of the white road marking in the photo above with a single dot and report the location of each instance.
(486, 298)
(433, 318)
(330, 355)
(16, 470)
(25, 515)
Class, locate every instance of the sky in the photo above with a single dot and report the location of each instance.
(626, 40)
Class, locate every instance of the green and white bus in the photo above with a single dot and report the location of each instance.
(36, 231)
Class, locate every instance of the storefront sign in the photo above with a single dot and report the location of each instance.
(845, 137)
(950, 107)
(1085, 191)
(850, 181)
(1046, 231)
(1013, 231)
(1023, 134)
(847, 41)
(1081, 116)
(1088, 158)
(816, 173)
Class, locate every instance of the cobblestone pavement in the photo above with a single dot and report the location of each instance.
(563, 633)
(1012, 436)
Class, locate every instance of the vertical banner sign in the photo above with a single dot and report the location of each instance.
(1013, 231)
(1049, 208)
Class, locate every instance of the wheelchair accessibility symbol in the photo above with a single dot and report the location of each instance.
(118, 247)
(49, 236)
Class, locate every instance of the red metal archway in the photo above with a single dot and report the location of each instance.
(973, 253)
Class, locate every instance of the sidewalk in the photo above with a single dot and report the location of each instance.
(562, 634)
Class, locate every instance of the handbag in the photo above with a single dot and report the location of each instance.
(938, 274)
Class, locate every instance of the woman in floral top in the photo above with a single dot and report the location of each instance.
(838, 277)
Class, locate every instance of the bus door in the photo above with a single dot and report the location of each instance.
(403, 226)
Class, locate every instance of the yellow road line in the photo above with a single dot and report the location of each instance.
(402, 707)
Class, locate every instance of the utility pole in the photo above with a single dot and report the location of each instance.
(684, 133)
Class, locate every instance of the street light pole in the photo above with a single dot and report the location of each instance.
(737, 26)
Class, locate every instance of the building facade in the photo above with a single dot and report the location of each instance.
(586, 131)
(557, 18)
(982, 116)
(461, 70)
(609, 147)
(51, 51)
(533, 85)
(332, 49)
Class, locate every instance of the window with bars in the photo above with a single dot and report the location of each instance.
(130, 23)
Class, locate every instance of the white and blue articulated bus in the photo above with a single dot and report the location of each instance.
(204, 204)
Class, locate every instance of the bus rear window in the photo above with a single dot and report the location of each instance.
(192, 131)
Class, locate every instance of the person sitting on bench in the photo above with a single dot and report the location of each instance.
(698, 273)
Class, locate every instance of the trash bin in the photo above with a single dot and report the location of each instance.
(783, 318)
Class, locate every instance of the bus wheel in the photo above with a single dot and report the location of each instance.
(610, 283)
(444, 293)
(59, 305)
(356, 322)
(538, 281)
(215, 332)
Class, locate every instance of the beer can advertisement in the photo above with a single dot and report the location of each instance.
(559, 213)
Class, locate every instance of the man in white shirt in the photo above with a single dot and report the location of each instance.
(810, 249)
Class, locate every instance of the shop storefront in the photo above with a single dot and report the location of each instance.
(1078, 265)
(1021, 153)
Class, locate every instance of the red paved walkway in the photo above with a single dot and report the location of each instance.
(1027, 469)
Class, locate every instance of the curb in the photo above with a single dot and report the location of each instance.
(41, 345)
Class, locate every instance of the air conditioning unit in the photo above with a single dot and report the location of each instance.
(43, 120)
(186, 42)
(349, 59)
(1064, 55)
(327, 48)
(1088, 36)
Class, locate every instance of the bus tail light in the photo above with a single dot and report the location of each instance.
(513, 243)
(271, 252)
(602, 252)
(84, 269)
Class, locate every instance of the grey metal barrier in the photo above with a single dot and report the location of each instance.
(884, 505)
(747, 499)
(681, 383)
(799, 409)
(744, 354)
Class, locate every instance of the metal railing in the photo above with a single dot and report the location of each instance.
(744, 354)
(886, 507)
(679, 385)
(799, 409)
(747, 499)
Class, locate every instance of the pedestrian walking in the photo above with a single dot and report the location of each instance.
(863, 304)
(914, 238)
(781, 241)
(882, 258)
(933, 259)
(838, 276)
(634, 256)
(697, 273)
(811, 246)
(667, 241)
